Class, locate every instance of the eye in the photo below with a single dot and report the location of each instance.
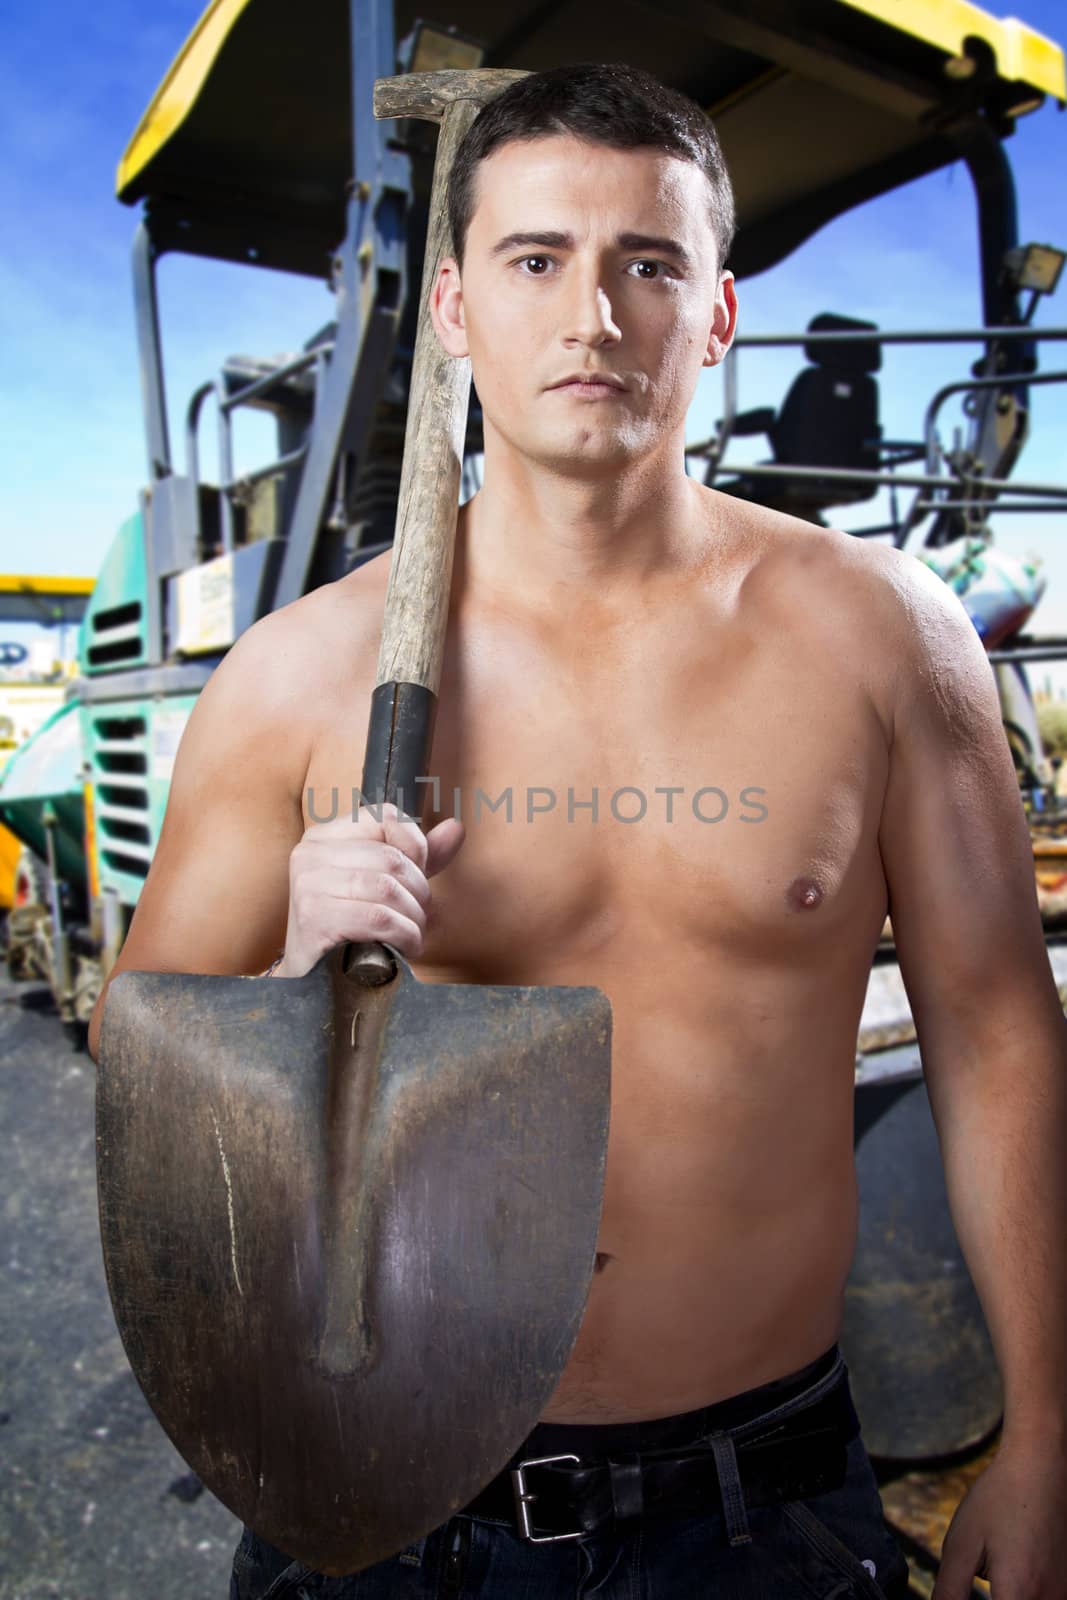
(536, 266)
(658, 270)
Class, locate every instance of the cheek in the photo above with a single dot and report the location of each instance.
(506, 350)
(681, 351)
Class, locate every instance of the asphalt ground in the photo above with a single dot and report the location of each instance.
(95, 1502)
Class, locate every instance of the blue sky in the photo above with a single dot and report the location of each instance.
(74, 80)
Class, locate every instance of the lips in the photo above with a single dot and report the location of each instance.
(590, 381)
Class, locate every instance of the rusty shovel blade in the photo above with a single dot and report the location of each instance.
(349, 1233)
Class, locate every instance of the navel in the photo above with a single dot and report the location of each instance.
(803, 894)
(602, 1259)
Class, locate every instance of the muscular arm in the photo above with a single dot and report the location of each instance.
(217, 894)
(991, 1030)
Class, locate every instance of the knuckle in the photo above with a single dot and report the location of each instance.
(388, 889)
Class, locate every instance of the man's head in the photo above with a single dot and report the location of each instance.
(618, 106)
(592, 213)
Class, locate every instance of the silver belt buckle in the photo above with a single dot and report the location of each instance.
(523, 1499)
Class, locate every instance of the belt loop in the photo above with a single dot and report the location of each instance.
(627, 1487)
(733, 1496)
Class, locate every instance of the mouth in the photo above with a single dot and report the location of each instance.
(593, 384)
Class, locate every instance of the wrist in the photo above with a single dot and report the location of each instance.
(1047, 1429)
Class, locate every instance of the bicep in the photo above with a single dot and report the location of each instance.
(953, 835)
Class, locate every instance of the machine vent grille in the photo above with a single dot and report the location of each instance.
(120, 766)
(117, 635)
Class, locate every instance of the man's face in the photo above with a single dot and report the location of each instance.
(581, 259)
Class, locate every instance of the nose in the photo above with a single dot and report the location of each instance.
(589, 318)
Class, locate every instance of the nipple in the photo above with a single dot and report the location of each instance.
(804, 894)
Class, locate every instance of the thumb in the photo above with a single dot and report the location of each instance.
(442, 843)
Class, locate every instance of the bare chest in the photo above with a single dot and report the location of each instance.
(669, 783)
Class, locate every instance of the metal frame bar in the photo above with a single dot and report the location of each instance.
(903, 336)
(965, 386)
(989, 507)
(713, 449)
(1053, 648)
(373, 268)
(906, 480)
(227, 404)
(998, 221)
(150, 354)
(269, 380)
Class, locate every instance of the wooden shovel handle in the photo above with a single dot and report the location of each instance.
(404, 701)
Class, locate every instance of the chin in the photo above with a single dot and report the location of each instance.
(577, 457)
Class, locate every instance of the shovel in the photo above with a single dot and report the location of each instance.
(349, 1220)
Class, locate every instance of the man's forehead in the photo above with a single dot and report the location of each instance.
(560, 174)
(549, 153)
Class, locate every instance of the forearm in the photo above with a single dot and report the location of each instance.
(1003, 1137)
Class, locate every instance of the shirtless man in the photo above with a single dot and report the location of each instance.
(788, 732)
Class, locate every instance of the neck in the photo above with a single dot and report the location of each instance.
(543, 540)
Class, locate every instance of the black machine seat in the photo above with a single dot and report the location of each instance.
(829, 418)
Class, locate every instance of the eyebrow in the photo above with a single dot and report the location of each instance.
(565, 241)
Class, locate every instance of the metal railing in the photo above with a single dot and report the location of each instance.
(231, 486)
(963, 487)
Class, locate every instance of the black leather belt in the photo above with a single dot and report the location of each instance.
(798, 1455)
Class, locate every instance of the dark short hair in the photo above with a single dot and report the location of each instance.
(606, 103)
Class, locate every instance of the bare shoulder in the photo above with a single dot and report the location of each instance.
(890, 621)
(790, 563)
(281, 684)
(929, 649)
(345, 614)
(308, 648)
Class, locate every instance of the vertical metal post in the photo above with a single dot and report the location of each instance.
(998, 232)
(150, 354)
(998, 219)
(370, 295)
(61, 966)
(225, 468)
(373, 56)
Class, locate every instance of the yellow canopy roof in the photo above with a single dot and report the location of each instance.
(818, 106)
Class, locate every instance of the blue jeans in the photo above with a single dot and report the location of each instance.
(834, 1545)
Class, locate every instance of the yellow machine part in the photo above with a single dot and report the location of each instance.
(177, 93)
(1022, 54)
(25, 597)
(10, 850)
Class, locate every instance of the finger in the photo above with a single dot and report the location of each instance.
(405, 832)
(377, 888)
(442, 844)
(384, 822)
(388, 822)
(331, 862)
(363, 920)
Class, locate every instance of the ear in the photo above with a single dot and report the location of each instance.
(724, 321)
(446, 309)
